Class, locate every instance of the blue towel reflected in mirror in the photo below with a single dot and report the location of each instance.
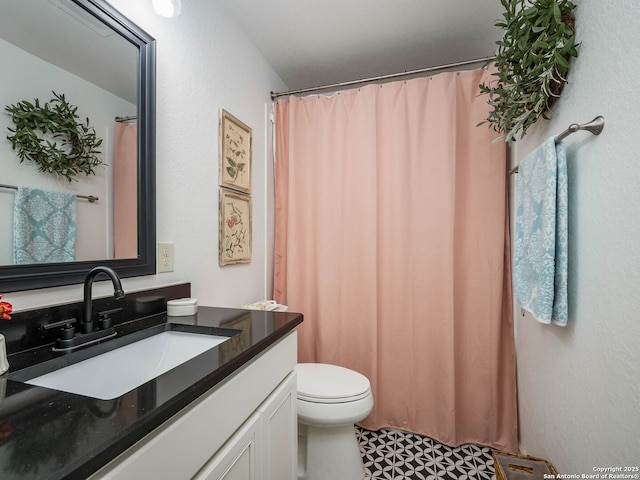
(44, 226)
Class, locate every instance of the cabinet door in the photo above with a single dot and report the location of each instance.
(240, 458)
(280, 432)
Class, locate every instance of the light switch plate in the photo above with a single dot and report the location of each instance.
(165, 257)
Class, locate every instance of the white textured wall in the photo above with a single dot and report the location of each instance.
(204, 63)
(579, 386)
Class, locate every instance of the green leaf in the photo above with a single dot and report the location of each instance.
(232, 172)
(231, 161)
(562, 63)
(568, 46)
(557, 16)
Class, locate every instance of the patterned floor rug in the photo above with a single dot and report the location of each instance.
(397, 455)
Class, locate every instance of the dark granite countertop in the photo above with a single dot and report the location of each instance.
(48, 434)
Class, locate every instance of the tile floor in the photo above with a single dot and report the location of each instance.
(397, 455)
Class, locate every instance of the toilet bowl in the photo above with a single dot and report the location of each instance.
(330, 400)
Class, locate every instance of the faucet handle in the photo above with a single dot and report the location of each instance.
(66, 332)
(62, 323)
(105, 320)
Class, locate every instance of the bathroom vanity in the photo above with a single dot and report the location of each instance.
(243, 429)
(228, 413)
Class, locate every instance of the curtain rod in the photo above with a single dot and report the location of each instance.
(595, 126)
(126, 119)
(275, 95)
(91, 198)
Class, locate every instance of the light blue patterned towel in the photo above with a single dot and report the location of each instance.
(44, 226)
(541, 237)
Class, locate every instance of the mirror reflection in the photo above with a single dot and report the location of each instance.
(54, 47)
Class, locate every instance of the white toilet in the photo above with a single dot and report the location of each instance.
(330, 400)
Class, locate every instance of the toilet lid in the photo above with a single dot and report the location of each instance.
(322, 383)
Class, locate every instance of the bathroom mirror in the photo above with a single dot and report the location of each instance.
(121, 63)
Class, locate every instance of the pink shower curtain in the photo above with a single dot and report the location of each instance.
(391, 239)
(125, 191)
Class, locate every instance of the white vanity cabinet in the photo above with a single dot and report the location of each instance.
(244, 428)
(279, 425)
(240, 457)
(265, 448)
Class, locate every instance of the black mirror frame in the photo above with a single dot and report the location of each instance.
(28, 277)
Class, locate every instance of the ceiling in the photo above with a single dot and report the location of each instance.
(308, 42)
(319, 42)
(61, 33)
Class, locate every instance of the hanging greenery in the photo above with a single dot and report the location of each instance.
(52, 136)
(532, 63)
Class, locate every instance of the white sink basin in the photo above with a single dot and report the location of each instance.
(118, 371)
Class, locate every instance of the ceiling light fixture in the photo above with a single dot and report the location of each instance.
(167, 8)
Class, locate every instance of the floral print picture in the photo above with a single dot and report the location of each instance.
(235, 228)
(235, 153)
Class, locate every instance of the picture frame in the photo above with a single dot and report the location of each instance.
(235, 153)
(234, 240)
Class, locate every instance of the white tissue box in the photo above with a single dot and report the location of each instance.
(182, 307)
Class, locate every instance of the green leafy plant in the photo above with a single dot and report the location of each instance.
(532, 63)
(52, 136)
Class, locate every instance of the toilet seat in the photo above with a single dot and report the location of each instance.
(330, 400)
(306, 398)
(330, 384)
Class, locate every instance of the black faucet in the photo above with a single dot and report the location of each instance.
(87, 321)
(69, 339)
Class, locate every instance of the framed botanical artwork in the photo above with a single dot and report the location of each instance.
(235, 153)
(234, 245)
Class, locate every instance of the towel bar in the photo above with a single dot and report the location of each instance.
(91, 198)
(595, 126)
